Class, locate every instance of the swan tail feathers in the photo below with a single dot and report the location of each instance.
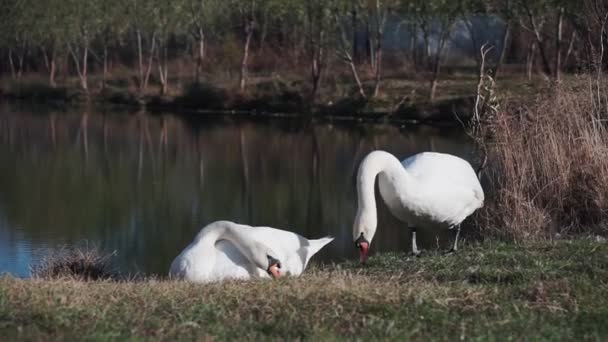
(316, 245)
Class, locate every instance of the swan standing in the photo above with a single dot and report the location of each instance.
(227, 250)
(428, 188)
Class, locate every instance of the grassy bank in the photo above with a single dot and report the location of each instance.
(490, 291)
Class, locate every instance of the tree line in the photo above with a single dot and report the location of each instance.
(88, 36)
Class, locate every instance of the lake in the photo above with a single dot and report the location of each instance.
(144, 184)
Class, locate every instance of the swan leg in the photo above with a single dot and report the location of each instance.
(415, 250)
(455, 246)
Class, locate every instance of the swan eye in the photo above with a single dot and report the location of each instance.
(360, 240)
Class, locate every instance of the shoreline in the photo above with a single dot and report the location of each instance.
(437, 114)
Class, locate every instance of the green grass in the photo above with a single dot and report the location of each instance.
(488, 291)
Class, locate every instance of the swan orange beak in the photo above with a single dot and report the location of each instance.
(363, 248)
(274, 271)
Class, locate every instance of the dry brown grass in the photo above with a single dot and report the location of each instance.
(548, 166)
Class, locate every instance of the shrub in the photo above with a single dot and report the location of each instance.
(81, 263)
(547, 167)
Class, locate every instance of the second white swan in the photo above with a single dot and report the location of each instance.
(227, 250)
(428, 188)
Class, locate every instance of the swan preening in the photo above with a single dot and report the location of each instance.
(227, 250)
(428, 188)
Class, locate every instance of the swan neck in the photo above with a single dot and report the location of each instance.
(375, 163)
(236, 234)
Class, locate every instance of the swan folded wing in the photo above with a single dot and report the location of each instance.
(435, 167)
(454, 204)
(230, 263)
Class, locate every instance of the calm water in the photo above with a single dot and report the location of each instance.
(144, 185)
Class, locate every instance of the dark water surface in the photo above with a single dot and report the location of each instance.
(144, 184)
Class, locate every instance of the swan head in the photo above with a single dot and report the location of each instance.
(363, 233)
(264, 258)
(274, 267)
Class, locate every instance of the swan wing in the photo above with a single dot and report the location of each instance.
(230, 263)
(440, 170)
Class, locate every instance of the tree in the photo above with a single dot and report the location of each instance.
(167, 16)
(377, 14)
(82, 23)
(346, 46)
(201, 17)
(142, 24)
(114, 24)
(318, 23)
(435, 18)
(16, 33)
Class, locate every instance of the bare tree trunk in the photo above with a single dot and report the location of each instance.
(378, 68)
(264, 31)
(570, 48)
(12, 63)
(530, 60)
(437, 63)
(85, 55)
(81, 69)
(200, 55)
(414, 45)
(150, 62)
(355, 53)
(244, 60)
(380, 16)
(536, 28)
(49, 63)
(347, 57)
(105, 67)
(558, 45)
(434, 78)
(474, 41)
(503, 51)
(140, 60)
(427, 47)
(370, 47)
(21, 58)
(52, 71)
(316, 68)
(163, 69)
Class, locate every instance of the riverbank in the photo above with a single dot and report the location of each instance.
(489, 291)
(402, 101)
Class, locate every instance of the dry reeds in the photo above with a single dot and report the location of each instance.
(80, 263)
(548, 167)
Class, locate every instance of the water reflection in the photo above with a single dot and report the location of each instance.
(145, 184)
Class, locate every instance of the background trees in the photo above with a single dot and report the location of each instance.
(245, 41)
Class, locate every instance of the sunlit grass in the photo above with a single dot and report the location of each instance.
(495, 291)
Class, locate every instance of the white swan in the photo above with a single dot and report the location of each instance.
(428, 188)
(227, 250)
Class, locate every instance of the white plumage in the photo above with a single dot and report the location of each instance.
(428, 188)
(227, 250)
